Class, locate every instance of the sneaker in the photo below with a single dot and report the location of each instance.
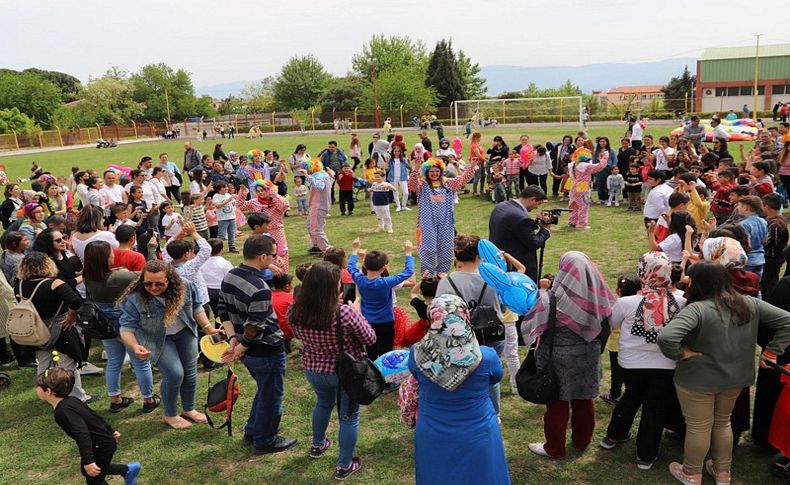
(281, 443)
(133, 470)
(538, 449)
(676, 469)
(722, 478)
(389, 230)
(644, 464)
(607, 398)
(398, 209)
(89, 369)
(617, 204)
(608, 443)
(318, 451)
(343, 473)
(92, 399)
(7, 359)
(608, 204)
(28, 365)
(409, 208)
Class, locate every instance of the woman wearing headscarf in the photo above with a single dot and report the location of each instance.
(583, 305)
(646, 372)
(457, 438)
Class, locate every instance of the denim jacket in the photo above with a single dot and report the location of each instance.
(405, 169)
(147, 323)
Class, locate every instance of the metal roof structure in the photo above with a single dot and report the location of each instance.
(720, 53)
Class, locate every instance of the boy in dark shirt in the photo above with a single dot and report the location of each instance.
(345, 180)
(775, 241)
(95, 438)
(633, 188)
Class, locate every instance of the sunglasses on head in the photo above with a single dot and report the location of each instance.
(154, 284)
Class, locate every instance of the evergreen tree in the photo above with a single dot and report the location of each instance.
(474, 85)
(444, 75)
(676, 89)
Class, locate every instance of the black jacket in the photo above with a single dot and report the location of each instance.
(512, 230)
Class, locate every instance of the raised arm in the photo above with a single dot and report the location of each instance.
(458, 183)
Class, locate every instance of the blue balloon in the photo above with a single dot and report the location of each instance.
(489, 253)
(521, 295)
(494, 276)
(394, 366)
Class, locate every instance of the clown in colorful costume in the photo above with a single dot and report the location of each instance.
(257, 168)
(268, 202)
(436, 216)
(320, 183)
(581, 172)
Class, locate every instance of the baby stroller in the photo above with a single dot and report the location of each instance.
(360, 186)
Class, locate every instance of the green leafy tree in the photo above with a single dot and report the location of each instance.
(676, 90)
(259, 97)
(31, 94)
(343, 95)
(393, 53)
(300, 84)
(12, 119)
(69, 85)
(204, 106)
(443, 74)
(474, 85)
(400, 87)
(150, 84)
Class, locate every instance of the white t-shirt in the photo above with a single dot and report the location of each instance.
(661, 160)
(195, 188)
(636, 132)
(128, 222)
(719, 132)
(227, 211)
(159, 190)
(150, 195)
(214, 271)
(79, 245)
(673, 247)
(635, 352)
(177, 226)
(657, 201)
(111, 194)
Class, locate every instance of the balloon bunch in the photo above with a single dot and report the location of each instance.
(515, 290)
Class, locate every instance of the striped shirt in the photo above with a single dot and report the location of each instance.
(246, 301)
(199, 217)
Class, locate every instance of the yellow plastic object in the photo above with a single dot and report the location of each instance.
(213, 350)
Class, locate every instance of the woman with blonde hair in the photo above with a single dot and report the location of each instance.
(160, 316)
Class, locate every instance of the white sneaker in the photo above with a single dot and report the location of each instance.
(406, 208)
(608, 204)
(89, 369)
(617, 204)
(398, 209)
(389, 230)
(538, 449)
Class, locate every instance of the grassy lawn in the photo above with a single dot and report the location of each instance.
(33, 450)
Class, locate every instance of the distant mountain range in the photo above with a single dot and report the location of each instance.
(513, 78)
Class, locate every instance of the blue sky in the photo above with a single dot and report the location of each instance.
(228, 41)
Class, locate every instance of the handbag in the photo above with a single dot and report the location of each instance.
(540, 386)
(485, 322)
(360, 379)
(221, 398)
(92, 322)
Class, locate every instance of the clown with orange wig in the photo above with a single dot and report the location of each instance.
(320, 182)
(581, 171)
(267, 201)
(436, 216)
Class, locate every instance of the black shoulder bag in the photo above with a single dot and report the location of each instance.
(92, 322)
(540, 386)
(485, 322)
(360, 379)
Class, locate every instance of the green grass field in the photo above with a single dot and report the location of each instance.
(34, 451)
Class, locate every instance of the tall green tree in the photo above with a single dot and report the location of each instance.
(474, 85)
(105, 100)
(259, 97)
(399, 87)
(343, 95)
(69, 85)
(150, 84)
(300, 84)
(676, 90)
(12, 119)
(31, 94)
(393, 53)
(443, 74)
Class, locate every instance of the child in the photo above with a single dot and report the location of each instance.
(495, 170)
(633, 188)
(614, 183)
(300, 192)
(211, 218)
(282, 299)
(376, 292)
(172, 221)
(627, 285)
(139, 209)
(499, 193)
(775, 241)
(698, 205)
(677, 201)
(224, 205)
(213, 271)
(760, 180)
(720, 205)
(581, 171)
(381, 201)
(95, 438)
(345, 183)
(337, 256)
(750, 208)
(123, 216)
(370, 177)
(300, 272)
(736, 194)
(196, 213)
(427, 290)
(512, 168)
(674, 244)
(647, 165)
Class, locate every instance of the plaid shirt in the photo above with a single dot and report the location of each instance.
(511, 167)
(320, 347)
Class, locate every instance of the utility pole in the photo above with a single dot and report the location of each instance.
(376, 96)
(167, 103)
(756, 73)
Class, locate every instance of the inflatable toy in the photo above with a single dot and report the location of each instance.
(213, 350)
(491, 254)
(394, 366)
(739, 130)
(118, 169)
(458, 147)
(515, 290)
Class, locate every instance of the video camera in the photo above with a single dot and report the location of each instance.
(552, 216)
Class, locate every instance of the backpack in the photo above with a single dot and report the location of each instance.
(221, 397)
(93, 323)
(360, 379)
(25, 326)
(485, 322)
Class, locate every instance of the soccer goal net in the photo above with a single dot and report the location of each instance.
(484, 113)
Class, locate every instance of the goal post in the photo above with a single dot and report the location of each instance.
(493, 112)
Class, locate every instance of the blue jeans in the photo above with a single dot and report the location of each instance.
(493, 391)
(326, 387)
(267, 406)
(178, 365)
(116, 351)
(227, 230)
(301, 204)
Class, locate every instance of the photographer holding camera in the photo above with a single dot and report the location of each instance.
(512, 230)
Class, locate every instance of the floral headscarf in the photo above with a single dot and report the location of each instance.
(725, 251)
(583, 299)
(449, 352)
(27, 209)
(658, 305)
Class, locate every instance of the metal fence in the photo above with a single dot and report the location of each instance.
(79, 136)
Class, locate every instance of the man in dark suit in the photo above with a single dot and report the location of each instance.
(512, 230)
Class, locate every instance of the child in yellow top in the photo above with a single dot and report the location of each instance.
(627, 285)
(370, 177)
(698, 207)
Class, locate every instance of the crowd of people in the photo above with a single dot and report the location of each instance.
(681, 332)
